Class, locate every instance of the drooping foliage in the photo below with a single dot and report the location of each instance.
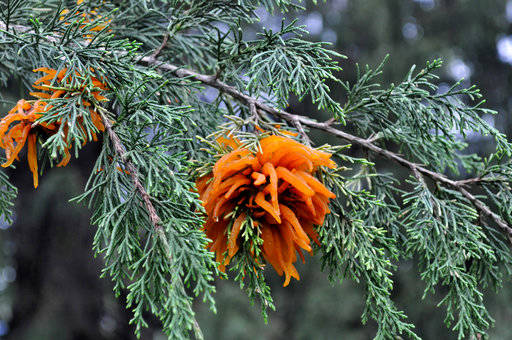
(164, 81)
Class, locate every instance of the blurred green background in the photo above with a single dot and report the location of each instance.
(49, 280)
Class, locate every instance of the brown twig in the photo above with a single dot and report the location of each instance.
(153, 216)
(330, 121)
(302, 132)
(161, 47)
(120, 151)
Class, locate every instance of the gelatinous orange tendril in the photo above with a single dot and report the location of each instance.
(277, 189)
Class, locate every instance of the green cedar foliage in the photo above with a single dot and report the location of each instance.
(161, 139)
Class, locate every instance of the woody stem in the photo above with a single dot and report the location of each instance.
(155, 220)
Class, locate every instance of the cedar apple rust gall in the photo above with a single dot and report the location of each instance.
(277, 188)
(20, 125)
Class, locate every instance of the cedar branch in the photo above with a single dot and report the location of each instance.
(327, 126)
(121, 151)
(367, 144)
(153, 216)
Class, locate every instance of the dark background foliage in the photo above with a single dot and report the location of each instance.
(49, 280)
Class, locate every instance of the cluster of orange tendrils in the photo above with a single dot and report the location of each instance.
(277, 188)
(14, 136)
(91, 18)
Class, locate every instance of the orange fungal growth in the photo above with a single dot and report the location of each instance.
(13, 138)
(274, 190)
(62, 89)
(91, 18)
(20, 125)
